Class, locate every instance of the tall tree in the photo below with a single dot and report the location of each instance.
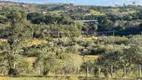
(19, 34)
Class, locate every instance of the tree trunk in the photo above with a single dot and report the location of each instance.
(12, 72)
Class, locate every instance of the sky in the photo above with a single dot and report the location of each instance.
(82, 2)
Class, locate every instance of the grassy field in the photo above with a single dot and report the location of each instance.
(61, 78)
(28, 78)
(46, 78)
(35, 78)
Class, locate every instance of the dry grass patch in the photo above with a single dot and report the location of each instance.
(90, 58)
(36, 42)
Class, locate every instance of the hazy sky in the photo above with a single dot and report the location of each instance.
(83, 2)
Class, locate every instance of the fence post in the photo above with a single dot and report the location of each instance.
(139, 70)
(111, 70)
(41, 70)
(58, 34)
(87, 71)
(48, 34)
(124, 70)
(77, 71)
(99, 71)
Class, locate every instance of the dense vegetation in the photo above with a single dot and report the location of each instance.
(68, 39)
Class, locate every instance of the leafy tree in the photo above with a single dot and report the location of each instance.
(47, 59)
(19, 34)
(35, 18)
(72, 63)
(65, 19)
(133, 54)
(120, 28)
(105, 25)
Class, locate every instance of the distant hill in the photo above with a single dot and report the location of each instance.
(71, 8)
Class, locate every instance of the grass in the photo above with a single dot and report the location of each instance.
(41, 78)
(57, 12)
(34, 77)
(117, 11)
(30, 43)
(67, 77)
(96, 12)
(36, 42)
(29, 78)
(62, 78)
(47, 78)
(90, 58)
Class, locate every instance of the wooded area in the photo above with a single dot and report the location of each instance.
(86, 41)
